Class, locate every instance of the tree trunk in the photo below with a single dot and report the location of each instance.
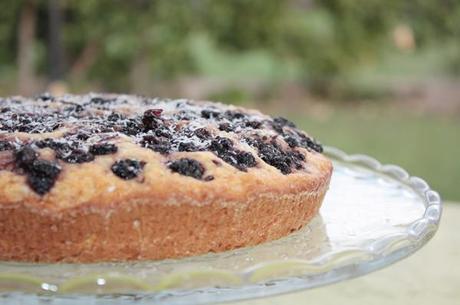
(55, 51)
(26, 38)
(85, 60)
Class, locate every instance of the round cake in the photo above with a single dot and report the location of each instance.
(103, 177)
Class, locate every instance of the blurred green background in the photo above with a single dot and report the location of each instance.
(368, 76)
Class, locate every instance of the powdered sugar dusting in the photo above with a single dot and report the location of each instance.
(80, 128)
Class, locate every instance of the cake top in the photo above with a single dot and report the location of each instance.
(40, 136)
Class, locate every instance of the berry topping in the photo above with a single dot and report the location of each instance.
(103, 149)
(127, 168)
(223, 147)
(81, 128)
(274, 155)
(151, 118)
(245, 159)
(283, 122)
(132, 127)
(279, 123)
(234, 115)
(25, 157)
(208, 114)
(5, 145)
(202, 133)
(113, 117)
(187, 167)
(154, 143)
(254, 124)
(292, 142)
(75, 156)
(309, 143)
(42, 175)
(187, 146)
(226, 127)
(100, 101)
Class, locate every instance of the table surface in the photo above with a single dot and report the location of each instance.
(430, 276)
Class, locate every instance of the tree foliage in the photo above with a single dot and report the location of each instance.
(104, 39)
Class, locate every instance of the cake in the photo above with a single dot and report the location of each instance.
(105, 177)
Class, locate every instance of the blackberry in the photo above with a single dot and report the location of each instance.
(5, 145)
(291, 141)
(56, 145)
(223, 148)
(183, 115)
(187, 146)
(279, 123)
(221, 145)
(226, 127)
(187, 167)
(56, 126)
(202, 133)
(151, 118)
(156, 144)
(132, 127)
(245, 159)
(278, 128)
(45, 168)
(254, 124)
(208, 114)
(103, 149)
(127, 168)
(309, 143)
(283, 122)
(42, 176)
(114, 116)
(83, 136)
(100, 101)
(75, 156)
(274, 155)
(233, 115)
(40, 185)
(74, 108)
(25, 157)
(162, 131)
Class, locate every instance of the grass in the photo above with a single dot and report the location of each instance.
(426, 146)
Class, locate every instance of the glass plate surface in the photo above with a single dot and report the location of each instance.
(372, 216)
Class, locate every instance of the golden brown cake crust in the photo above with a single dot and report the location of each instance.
(71, 202)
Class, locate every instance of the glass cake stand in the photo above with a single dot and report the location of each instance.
(373, 215)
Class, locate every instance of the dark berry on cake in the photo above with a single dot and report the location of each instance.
(188, 146)
(210, 114)
(103, 149)
(42, 175)
(202, 133)
(273, 154)
(157, 144)
(75, 156)
(151, 118)
(6, 145)
(25, 156)
(127, 169)
(187, 167)
(226, 127)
